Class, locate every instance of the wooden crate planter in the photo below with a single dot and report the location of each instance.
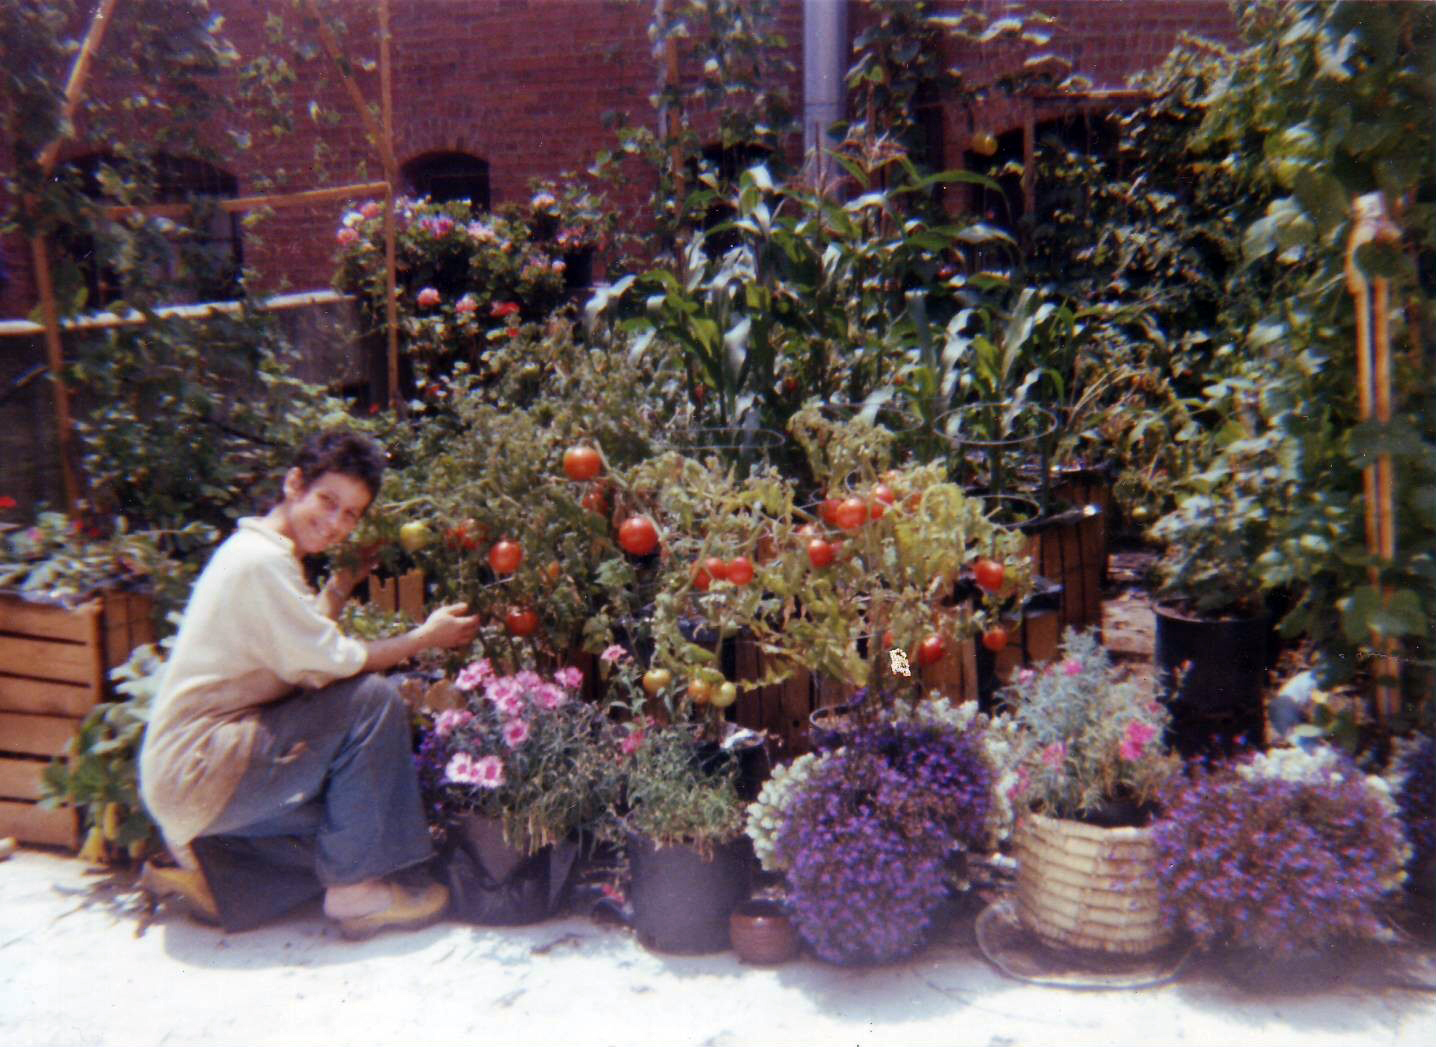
(54, 668)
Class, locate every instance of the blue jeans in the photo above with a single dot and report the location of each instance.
(330, 797)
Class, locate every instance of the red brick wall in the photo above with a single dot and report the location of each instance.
(524, 84)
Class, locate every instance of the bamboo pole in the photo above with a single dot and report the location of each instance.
(75, 86)
(55, 355)
(391, 307)
(198, 310)
(249, 203)
(375, 132)
(1373, 363)
(40, 252)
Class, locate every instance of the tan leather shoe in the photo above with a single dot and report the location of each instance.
(188, 886)
(409, 909)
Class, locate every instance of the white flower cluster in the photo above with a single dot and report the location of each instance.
(765, 814)
(1317, 765)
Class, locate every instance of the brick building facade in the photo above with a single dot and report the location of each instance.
(527, 88)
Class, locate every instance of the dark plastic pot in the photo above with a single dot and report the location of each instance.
(491, 883)
(1212, 672)
(682, 901)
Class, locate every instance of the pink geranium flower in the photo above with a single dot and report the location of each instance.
(527, 679)
(547, 696)
(462, 769)
(502, 309)
(1054, 754)
(475, 674)
(490, 770)
(1135, 739)
(570, 677)
(1026, 676)
(372, 209)
(631, 742)
(1072, 667)
(466, 305)
(429, 297)
(347, 236)
(451, 720)
(613, 653)
(516, 732)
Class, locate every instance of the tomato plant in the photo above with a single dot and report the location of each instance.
(851, 513)
(505, 556)
(638, 535)
(740, 570)
(521, 621)
(931, 650)
(724, 696)
(582, 463)
(716, 568)
(995, 639)
(989, 574)
(821, 552)
(594, 501)
(414, 536)
(699, 690)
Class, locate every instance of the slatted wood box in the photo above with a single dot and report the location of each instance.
(54, 668)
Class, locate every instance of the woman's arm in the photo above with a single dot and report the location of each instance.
(446, 627)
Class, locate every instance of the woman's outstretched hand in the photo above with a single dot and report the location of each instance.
(448, 626)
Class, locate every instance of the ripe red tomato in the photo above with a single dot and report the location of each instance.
(701, 579)
(521, 621)
(638, 536)
(989, 574)
(931, 650)
(740, 570)
(594, 501)
(851, 513)
(883, 497)
(821, 552)
(582, 463)
(995, 639)
(828, 511)
(716, 568)
(463, 535)
(505, 556)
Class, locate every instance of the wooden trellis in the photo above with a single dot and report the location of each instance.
(381, 134)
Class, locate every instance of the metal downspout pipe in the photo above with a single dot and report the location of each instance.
(825, 65)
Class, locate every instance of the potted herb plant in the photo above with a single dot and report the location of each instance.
(511, 778)
(1213, 627)
(867, 835)
(1279, 855)
(1091, 762)
(690, 864)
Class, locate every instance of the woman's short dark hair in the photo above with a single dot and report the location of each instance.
(342, 451)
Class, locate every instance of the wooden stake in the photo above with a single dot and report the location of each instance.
(40, 253)
(1373, 362)
(391, 307)
(248, 203)
(375, 132)
(75, 87)
(55, 353)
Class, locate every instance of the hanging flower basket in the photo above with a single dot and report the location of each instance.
(1089, 887)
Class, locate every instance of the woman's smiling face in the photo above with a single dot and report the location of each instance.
(321, 515)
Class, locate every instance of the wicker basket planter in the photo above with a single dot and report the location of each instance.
(1089, 887)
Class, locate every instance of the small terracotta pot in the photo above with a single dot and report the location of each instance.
(762, 933)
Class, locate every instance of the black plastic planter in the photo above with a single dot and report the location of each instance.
(681, 900)
(493, 884)
(1213, 672)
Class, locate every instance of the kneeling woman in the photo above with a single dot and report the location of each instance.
(277, 762)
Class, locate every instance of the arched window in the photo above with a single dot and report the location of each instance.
(449, 176)
(202, 262)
